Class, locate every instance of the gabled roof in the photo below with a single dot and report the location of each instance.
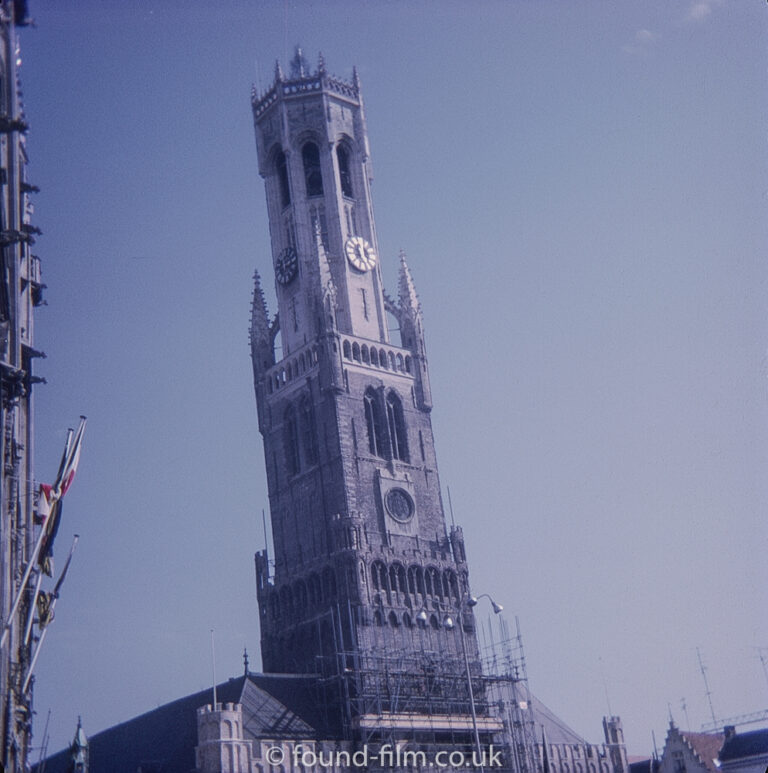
(285, 706)
(705, 746)
(544, 719)
(743, 745)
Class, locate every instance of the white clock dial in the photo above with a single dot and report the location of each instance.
(360, 253)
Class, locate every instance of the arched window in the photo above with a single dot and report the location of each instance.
(374, 422)
(308, 432)
(398, 440)
(347, 350)
(281, 168)
(345, 176)
(291, 440)
(313, 177)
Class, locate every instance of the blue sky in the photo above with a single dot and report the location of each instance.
(581, 192)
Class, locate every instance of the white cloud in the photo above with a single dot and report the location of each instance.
(701, 9)
(644, 38)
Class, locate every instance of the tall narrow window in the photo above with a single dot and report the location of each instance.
(397, 434)
(344, 174)
(291, 440)
(308, 432)
(313, 177)
(282, 176)
(374, 423)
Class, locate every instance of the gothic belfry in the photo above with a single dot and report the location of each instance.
(368, 636)
(367, 579)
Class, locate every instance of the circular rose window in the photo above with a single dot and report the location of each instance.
(399, 504)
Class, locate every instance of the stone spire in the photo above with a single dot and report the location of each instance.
(278, 71)
(260, 330)
(410, 306)
(299, 65)
(409, 300)
(79, 749)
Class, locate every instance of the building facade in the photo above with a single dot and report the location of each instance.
(20, 293)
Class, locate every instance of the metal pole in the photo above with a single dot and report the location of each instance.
(213, 668)
(469, 683)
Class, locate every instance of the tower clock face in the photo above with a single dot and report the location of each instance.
(360, 253)
(286, 266)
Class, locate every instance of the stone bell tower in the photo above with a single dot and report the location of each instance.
(363, 562)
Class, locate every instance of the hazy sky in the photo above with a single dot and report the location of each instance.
(581, 192)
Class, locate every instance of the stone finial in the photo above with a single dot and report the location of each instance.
(320, 63)
(278, 71)
(245, 660)
(299, 65)
(259, 315)
(409, 300)
(355, 78)
(79, 748)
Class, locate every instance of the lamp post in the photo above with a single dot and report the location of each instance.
(471, 601)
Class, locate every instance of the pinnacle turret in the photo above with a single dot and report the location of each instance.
(299, 65)
(407, 297)
(259, 331)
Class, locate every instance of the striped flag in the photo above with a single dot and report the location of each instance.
(49, 501)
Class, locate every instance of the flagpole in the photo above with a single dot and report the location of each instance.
(213, 666)
(32, 608)
(22, 586)
(56, 590)
(71, 451)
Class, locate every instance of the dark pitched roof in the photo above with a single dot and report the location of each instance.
(744, 745)
(274, 705)
(166, 735)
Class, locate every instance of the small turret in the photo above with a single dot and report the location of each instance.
(411, 321)
(221, 747)
(79, 750)
(260, 332)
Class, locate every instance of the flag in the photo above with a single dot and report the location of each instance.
(44, 609)
(44, 502)
(51, 528)
(70, 461)
(49, 501)
(60, 581)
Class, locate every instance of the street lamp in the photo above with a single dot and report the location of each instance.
(471, 601)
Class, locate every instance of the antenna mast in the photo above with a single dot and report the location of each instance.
(706, 685)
